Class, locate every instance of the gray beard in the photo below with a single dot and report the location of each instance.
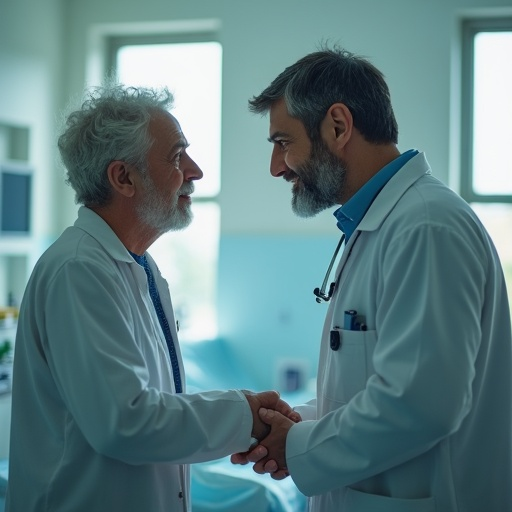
(156, 212)
(321, 179)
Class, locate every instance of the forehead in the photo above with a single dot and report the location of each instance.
(164, 127)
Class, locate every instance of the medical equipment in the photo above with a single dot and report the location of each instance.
(320, 292)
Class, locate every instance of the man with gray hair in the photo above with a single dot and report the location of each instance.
(414, 393)
(101, 420)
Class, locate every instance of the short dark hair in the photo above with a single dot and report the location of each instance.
(333, 75)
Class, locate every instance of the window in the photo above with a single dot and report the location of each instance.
(191, 68)
(487, 112)
(486, 178)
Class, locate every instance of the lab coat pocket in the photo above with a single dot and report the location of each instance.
(357, 501)
(349, 367)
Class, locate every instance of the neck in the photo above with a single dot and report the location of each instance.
(365, 162)
(134, 235)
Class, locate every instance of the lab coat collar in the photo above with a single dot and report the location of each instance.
(411, 172)
(95, 226)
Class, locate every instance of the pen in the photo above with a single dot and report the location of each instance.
(350, 320)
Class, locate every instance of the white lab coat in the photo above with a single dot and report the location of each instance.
(415, 413)
(96, 425)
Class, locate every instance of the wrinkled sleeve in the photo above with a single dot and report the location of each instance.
(428, 323)
(103, 379)
(308, 410)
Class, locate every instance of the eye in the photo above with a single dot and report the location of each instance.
(283, 144)
(177, 160)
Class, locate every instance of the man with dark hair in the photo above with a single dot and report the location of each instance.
(101, 420)
(414, 403)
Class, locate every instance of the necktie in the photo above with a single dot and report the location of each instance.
(164, 324)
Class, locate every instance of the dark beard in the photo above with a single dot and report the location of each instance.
(320, 181)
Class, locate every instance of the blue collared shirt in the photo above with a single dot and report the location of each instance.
(352, 212)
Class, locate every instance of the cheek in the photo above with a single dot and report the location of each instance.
(291, 162)
(175, 181)
(296, 157)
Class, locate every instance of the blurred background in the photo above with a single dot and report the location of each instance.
(242, 275)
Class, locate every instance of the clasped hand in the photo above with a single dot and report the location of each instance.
(272, 419)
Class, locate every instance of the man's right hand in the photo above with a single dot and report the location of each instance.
(261, 430)
(267, 400)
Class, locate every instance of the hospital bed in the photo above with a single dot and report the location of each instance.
(220, 485)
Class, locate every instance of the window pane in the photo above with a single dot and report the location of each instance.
(497, 218)
(188, 258)
(188, 261)
(192, 71)
(492, 128)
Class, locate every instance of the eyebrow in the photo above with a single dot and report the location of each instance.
(277, 135)
(181, 144)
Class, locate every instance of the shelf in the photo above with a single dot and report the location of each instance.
(16, 240)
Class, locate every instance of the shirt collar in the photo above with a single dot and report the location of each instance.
(141, 260)
(351, 213)
(95, 226)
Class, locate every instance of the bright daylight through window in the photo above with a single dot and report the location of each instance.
(188, 258)
(487, 130)
(492, 118)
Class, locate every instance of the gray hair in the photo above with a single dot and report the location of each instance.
(333, 75)
(112, 124)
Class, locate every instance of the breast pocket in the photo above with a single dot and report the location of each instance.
(348, 369)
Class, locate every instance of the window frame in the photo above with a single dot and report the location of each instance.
(113, 43)
(470, 28)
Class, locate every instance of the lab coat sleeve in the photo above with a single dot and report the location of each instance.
(429, 299)
(308, 410)
(102, 378)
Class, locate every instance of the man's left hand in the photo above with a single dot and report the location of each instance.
(270, 455)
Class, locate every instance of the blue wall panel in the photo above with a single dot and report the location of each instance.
(267, 310)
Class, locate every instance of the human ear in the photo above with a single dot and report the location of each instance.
(120, 176)
(337, 126)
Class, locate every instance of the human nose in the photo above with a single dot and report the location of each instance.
(278, 165)
(191, 171)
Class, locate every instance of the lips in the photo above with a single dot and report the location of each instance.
(291, 176)
(186, 192)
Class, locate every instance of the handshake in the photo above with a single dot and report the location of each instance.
(272, 419)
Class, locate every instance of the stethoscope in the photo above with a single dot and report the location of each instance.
(320, 293)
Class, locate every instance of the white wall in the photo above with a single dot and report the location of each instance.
(30, 81)
(411, 41)
(30, 91)
(30, 88)
(44, 50)
(269, 259)
(47, 45)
